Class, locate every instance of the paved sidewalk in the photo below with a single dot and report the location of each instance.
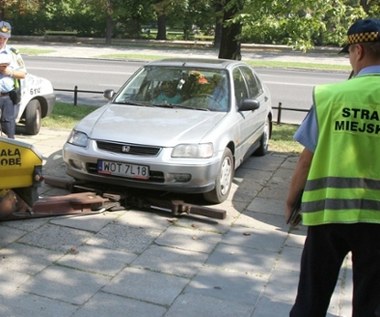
(135, 263)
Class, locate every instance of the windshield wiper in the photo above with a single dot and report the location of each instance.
(173, 105)
(134, 103)
(164, 105)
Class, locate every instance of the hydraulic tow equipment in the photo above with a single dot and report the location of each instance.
(20, 178)
(21, 175)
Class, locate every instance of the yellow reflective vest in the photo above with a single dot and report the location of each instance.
(343, 185)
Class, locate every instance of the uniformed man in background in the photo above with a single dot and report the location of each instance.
(12, 69)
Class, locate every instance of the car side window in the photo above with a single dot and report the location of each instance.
(241, 92)
(254, 86)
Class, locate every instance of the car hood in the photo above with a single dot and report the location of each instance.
(148, 125)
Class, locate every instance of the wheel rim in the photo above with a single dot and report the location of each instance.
(266, 134)
(225, 176)
(38, 118)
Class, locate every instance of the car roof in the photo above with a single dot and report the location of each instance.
(197, 62)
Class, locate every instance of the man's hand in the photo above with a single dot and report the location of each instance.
(293, 211)
(297, 184)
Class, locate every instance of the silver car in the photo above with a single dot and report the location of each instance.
(177, 125)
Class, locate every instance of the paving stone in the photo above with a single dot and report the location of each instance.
(9, 235)
(56, 238)
(97, 260)
(271, 307)
(22, 304)
(65, 284)
(255, 238)
(130, 239)
(171, 261)
(148, 286)
(103, 304)
(267, 205)
(195, 305)
(26, 259)
(261, 220)
(10, 281)
(189, 239)
(282, 285)
(26, 225)
(242, 259)
(92, 223)
(227, 285)
(290, 258)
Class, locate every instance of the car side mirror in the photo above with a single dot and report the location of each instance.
(249, 105)
(109, 94)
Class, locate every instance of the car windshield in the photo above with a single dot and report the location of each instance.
(178, 87)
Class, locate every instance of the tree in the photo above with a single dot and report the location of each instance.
(231, 30)
(162, 8)
(298, 23)
(10, 8)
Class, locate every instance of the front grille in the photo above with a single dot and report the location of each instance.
(132, 149)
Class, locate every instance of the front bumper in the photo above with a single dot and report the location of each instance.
(166, 173)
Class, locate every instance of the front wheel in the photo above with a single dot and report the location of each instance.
(33, 117)
(223, 182)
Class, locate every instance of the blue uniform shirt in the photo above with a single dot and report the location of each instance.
(6, 82)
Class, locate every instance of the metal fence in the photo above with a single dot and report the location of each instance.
(279, 109)
(76, 91)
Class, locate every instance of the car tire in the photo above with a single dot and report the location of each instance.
(223, 183)
(264, 140)
(33, 117)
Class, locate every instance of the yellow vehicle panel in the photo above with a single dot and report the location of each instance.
(17, 163)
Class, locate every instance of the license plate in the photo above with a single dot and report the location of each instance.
(123, 169)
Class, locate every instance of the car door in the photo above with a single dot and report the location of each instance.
(246, 86)
(256, 91)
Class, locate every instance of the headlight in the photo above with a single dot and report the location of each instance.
(78, 138)
(193, 150)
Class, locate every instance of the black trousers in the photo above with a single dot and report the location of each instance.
(8, 123)
(325, 249)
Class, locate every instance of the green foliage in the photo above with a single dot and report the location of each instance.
(300, 23)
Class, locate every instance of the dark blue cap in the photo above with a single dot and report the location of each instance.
(362, 31)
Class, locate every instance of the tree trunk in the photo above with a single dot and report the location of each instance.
(218, 24)
(109, 30)
(230, 43)
(161, 27)
(365, 5)
(218, 34)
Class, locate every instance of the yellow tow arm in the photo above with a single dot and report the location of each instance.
(18, 161)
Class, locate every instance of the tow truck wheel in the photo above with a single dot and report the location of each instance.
(33, 117)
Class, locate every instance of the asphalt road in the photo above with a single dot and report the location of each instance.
(291, 88)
